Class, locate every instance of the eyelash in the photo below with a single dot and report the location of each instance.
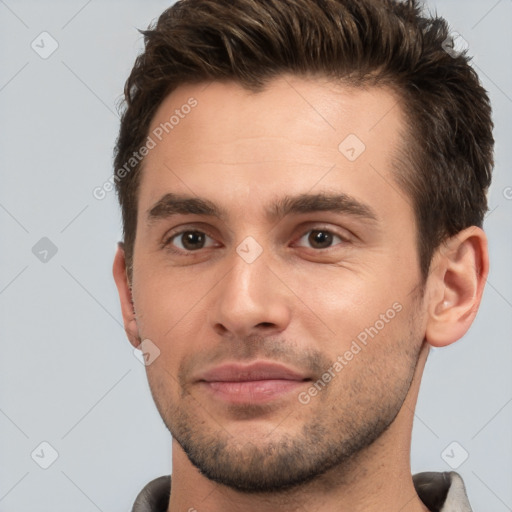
(167, 244)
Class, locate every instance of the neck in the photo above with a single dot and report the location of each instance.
(377, 479)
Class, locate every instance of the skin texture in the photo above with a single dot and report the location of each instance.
(300, 302)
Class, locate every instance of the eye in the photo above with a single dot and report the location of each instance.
(190, 240)
(320, 239)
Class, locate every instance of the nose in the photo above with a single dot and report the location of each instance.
(251, 299)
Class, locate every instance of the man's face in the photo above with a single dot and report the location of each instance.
(288, 326)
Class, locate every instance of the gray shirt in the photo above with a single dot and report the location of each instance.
(440, 492)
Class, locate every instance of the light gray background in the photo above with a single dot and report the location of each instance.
(68, 374)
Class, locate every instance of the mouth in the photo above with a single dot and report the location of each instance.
(255, 383)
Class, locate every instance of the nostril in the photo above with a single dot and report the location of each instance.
(265, 324)
(220, 329)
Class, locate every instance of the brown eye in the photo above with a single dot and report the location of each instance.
(320, 239)
(193, 240)
(190, 240)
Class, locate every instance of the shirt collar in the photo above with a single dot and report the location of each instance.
(440, 492)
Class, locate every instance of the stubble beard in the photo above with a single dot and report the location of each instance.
(345, 419)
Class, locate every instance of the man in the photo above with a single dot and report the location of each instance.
(303, 185)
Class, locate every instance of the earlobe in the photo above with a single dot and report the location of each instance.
(125, 296)
(456, 283)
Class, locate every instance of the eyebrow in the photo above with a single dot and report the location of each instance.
(174, 204)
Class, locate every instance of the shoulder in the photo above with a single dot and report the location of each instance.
(442, 491)
(154, 497)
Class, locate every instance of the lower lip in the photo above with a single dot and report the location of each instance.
(253, 391)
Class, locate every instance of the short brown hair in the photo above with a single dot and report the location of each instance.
(449, 150)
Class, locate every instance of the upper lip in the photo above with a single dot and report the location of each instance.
(261, 370)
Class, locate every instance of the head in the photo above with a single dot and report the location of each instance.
(311, 192)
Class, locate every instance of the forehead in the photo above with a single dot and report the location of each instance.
(313, 110)
(295, 134)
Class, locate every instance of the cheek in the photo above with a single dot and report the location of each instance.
(374, 326)
(378, 359)
(164, 300)
(347, 301)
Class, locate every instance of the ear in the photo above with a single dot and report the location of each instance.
(125, 296)
(456, 283)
